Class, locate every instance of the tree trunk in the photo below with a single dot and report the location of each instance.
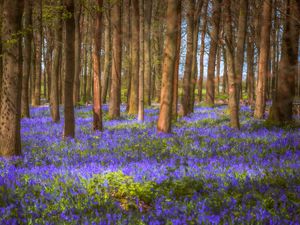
(142, 63)
(217, 85)
(147, 49)
(202, 50)
(210, 89)
(194, 70)
(55, 70)
(10, 135)
(263, 63)
(240, 48)
(232, 79)
(1, 57)
(27, 59)
(187, 77)
(38, 53)
(281, 110)
(133, 104)
(250, 69)
(177, 62)
(97, 106)
(107, 57)
(69, 125)
(165, 115)
(115, 91)
(76, 90)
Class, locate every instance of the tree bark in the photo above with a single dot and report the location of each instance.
(232, 79)
(281, 110)
(250, 69)
(27, 59)
(97, 105)
(10, 135)
(133, 103)
(55, 69)
(177, 62)
(202, 50)
(187, 77)
(76, 89)
(210, 89)
(263, 63)
(147, 49)
(142, 63)
(38, 53)
(107, 57)
(165, 115)
(115, 91)
(69, 124)
(240, 48)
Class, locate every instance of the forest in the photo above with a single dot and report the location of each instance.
(159, 112)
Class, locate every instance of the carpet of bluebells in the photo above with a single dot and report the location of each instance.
(203, 173)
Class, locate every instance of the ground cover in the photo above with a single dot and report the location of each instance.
(203, 173)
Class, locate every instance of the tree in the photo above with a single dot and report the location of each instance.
(141, 61)
(107, 56)
(115, 90)
(134, 87)
(187, 77)
(281, 110)
(38, 46)
(97, 105)
(1, 59)
(263, 64)
(55, 69)
(69, 25)
(10, 137)
(214, 37)
(177, 62)
(233, 101)
(77, 15)
(240, 48)
(165, 115)
(147, 50)
(27, 58)
(202, 50)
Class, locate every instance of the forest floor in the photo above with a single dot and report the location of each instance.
(202, 173)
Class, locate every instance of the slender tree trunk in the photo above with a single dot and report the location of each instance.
(126, 53)
(281, 110)
(27, 59)
(133, 104)
(263, 63)
(55, 70)
(202, 50)
(197, 13)
(165, 115)
(250, 69)
(69, 125)
(38, 36)
(210, 89)
(107, 57)
(187, 77)
(147, 49)
(232, 79)
(217, 85)
(1, 58)
(142, 63)
(177, 62)
(10, 136)
(225, 74)
(76, 89)
(115, 91)
(240, 49)
(97, 106)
